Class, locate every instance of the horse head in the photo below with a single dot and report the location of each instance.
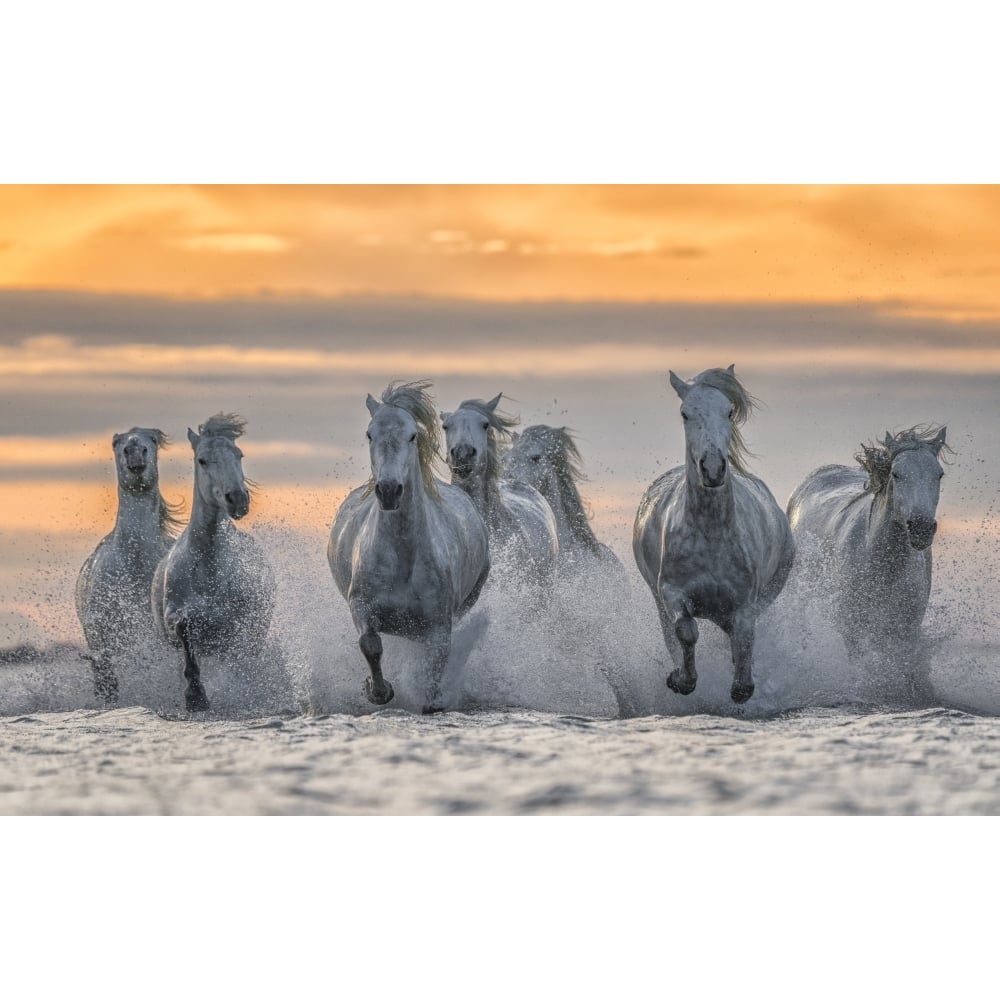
(392, 438)
(913, 485)
(218, 468)
(468, 446)
(538, 454)
(136, 458)
(708, 429)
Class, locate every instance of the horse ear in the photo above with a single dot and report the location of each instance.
(445, 414)
(888, 440)
(938, 443)
(732, 369)
(494, 402)
(193, 438)
(115, 440)
(514, 437)
(680, 386)
(373, 404)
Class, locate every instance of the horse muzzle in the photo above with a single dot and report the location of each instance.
(713, 474)
(389, 495)
(237, 504)
(462, 460)
(921, 533)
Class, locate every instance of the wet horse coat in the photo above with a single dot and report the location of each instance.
(709, 538)
(214, 591)
(409, 553)
(874, 525)
(522, 528)
(112, 589)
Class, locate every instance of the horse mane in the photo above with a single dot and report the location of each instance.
(170, 516)
(743, 405)
(414, 398)
(560, 446)
(501, 425)
(162, 440)
(226, 425)
(876, 459)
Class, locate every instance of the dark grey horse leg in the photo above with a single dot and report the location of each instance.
(474, 593)
(680, 631)
(741, 637)
(105, 681)
(377, 688)
(438, 648)
(194, 696)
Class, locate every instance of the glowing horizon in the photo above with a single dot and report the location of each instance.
(922, 250)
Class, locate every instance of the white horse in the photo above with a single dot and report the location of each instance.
(875, 525)
(709, 538)
(112, 590)
(409, 553)
(214, 591)
(520, 522)
(548, 459)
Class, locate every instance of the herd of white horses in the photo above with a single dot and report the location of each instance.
(411, 553)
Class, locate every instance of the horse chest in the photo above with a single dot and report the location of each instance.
(398, 586)
(713, 572)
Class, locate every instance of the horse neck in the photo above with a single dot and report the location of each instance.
(208, 520)
(888, 546)
(138, 517)
(410, 521)
(571, 518)
(715, 506)
(484, 492)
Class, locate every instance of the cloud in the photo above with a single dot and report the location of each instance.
(236, 243)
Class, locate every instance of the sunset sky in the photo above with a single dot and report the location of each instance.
(929, 250)
(848, 310)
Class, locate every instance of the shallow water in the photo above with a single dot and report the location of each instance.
(555, 709)
(392, 762)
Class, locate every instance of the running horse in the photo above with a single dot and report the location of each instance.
(408, 552)
(709, 538)
(112, 589)
(214, 591)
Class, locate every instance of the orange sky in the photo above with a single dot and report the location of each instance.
(933, 249)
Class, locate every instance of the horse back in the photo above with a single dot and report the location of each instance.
(828, 503)
(647, 532)
(532, 515)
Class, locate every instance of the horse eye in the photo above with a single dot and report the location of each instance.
(895, 475)
(731, 414)
(368, 434)
(202, 462)
(684, 415)
(413, 437)
(940, 475)
(486, 425)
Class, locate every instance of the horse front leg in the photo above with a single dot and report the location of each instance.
(195, 697)
(680, 632)
(105, 680)
(377, 689)
(438, 650)
(741, 637)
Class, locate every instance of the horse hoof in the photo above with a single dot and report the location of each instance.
(680, 683)
(197, 700)
(382, 696)
(741, 692)
(106, 691)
